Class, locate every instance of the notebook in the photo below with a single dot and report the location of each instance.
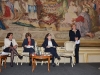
(28, 46)
(77, 42)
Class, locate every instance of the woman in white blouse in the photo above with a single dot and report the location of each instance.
(50, 46)
(10, 45)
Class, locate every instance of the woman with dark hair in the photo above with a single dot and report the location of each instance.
(50, 46)
(75, 35)
(10, 45)
(28, 45)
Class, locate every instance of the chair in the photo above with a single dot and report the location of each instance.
(69, 47)
(25, 55)
(9, 55)
(3, 56)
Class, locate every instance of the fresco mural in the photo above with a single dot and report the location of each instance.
(55, 14)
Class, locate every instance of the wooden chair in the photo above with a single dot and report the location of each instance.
(69, 47)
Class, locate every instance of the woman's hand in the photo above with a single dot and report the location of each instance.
(48, 47)
(54, 46)
(76, 38)
(15, 46)
(25, 46)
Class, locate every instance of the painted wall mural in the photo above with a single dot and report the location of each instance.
(55, 14)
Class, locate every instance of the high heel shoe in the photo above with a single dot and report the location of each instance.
(53, 64)
(11, 64)
(20, 57)
(58, 58)
(30, 63)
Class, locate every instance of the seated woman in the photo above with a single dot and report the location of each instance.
(10, 45)
(50, 46)
(28, 45)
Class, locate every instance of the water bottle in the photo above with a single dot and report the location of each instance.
(38, 52)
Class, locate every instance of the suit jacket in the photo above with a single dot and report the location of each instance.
(72, 35)
(7, 42)
(45, 43)
(25, 42)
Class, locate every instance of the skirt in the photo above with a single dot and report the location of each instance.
(6, 49)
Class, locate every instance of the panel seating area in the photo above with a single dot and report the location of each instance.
(87, 55)
(89, 51)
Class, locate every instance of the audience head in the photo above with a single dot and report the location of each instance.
(48, 36)
(9, 36)
(73, 26)
(28, 35)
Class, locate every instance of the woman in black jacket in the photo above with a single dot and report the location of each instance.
(74, 35)
(50, 46)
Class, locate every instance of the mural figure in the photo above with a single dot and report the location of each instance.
(2, 24)
(32, 11)
(39, 8)
(83, 23)
(93, 16)
(55, 14)
(6, 11)
(98, 9)
(71, 14)
(17, 9)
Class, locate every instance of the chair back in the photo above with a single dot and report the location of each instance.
(69, 45)
(2, 47)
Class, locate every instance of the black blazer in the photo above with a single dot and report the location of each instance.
(72, 35)
(25, 42)
(45, 43)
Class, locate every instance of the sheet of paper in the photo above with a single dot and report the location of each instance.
(77, 42)
(30, 46)
(4, 53)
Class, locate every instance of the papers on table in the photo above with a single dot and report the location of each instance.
(3, 53)
(28, 46)
(77, 42)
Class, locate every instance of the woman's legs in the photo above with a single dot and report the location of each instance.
(53, 52)
(30, 59)
(77, 53)
(30, 50)
(13, 51)
(12, 58)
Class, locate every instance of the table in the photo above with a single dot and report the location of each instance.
(4, 57)
(40, 57)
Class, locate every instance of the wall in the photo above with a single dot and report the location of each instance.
(54, 16)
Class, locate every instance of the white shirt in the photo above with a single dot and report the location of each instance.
(50, 43)
(7, 42)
